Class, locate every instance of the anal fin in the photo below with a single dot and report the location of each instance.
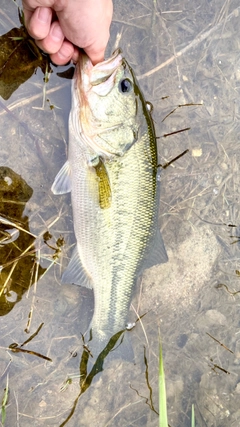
(75, 272)
(157, 254)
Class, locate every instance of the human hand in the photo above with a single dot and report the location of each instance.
(60, 27)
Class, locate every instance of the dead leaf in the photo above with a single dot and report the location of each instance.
(19, 58)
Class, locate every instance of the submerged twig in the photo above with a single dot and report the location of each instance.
(200, 38)
(221, 285)
(16, 349)
(223, 345)
(37, 263)
(33, 335)
(174, 132)
(180, 106)
(148, 401)
(215, 366)
(173, 160)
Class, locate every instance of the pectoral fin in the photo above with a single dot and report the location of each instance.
(75, 272)
(104, 188)
(62, 183)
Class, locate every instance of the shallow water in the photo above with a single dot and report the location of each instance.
(184, 53)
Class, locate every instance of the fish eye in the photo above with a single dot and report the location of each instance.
(125, 85)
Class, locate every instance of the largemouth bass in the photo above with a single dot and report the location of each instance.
(111, 172)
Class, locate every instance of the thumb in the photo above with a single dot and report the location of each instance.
(38, 22)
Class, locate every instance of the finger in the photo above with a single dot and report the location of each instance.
(64, 55)
(53, 41)
(27, 16)
(95, 56)
(75, 56)
(38, 23)
(96, 50)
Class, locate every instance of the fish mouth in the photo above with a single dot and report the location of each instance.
(98, 73)
(104, 70)
(100, 79)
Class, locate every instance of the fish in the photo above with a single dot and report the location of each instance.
(112, 174)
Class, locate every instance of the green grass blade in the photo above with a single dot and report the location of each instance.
(3, 415)
(193, 417)
(163, 421)
(4, 403)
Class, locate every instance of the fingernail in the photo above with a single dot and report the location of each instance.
(43, 14)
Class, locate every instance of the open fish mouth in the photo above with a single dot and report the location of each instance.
(100, 77)
(102, 71)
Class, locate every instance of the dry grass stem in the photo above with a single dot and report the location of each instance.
(140, 320)
(26, 101)
(16, 225)
(122, 409)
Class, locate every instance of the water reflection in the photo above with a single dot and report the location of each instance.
(17, 252)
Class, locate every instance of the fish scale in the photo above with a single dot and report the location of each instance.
(112, 174)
